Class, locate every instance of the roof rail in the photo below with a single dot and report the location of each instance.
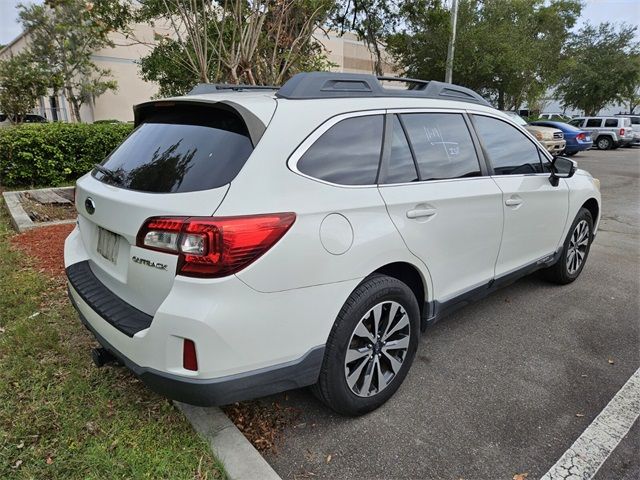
(314, 85)
(203, 88)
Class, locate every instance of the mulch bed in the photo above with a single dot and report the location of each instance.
(46, 246)
(39, 212)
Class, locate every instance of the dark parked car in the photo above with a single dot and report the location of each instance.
(577, 140)
(28, 118)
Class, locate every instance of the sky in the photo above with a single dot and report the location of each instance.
(595, 11)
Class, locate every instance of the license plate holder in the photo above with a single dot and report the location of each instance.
(108, 243)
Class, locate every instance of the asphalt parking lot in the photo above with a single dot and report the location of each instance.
(504, 386)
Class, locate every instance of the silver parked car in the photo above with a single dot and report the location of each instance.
(635, 125)
(607, 132)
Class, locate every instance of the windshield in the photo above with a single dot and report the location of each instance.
(185, 149)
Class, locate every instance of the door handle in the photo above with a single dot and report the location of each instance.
(512, 202)
(421, 212)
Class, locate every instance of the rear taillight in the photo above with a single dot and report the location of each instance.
(581, 136)
(214, 246)
(622, 132)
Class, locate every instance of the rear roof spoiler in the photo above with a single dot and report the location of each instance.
(255, 126)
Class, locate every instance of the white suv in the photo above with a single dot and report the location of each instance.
(242, 242)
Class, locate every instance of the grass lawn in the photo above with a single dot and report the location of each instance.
(62, 418)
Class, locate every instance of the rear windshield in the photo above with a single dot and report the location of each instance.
(184, 148)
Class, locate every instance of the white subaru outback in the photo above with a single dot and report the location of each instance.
(245, 241)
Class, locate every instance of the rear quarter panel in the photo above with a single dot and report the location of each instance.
(299, 259)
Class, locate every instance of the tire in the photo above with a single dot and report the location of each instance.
(345, 387)
(604, 143)
(566, 269)
(570, 154)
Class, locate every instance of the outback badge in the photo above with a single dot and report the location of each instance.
(149, 263)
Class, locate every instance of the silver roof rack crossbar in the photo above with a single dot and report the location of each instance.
(318, 85)
(315, 85)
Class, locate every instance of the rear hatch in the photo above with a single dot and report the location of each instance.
(179, 160)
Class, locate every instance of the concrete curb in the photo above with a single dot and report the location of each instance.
(19, 218)
(241, 460)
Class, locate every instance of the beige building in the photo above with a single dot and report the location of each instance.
(349, 54)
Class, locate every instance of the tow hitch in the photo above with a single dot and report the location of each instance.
(102, 356)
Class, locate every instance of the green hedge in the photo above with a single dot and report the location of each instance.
(51, 154)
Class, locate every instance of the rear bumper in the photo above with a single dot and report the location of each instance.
(110, 307)
(223, 390)
(578, 146)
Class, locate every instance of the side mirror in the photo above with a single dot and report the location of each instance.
(562, 167)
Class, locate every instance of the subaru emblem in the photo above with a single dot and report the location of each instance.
(90, 205)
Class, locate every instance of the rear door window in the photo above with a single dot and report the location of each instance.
(576, 122)
(184, 148)
(442, 145)
(401, 168)
(594, 122)
(346, 154)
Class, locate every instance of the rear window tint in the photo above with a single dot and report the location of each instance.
(401, 168)
(346, 154)
(186, 148)
(442, 145)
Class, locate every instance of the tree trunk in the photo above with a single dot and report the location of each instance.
(75, 105)
(500, 99)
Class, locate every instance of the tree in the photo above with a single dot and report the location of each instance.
(233, 41)
(602, 67)
(64, 34)
(22, 83)
(372, 20)
(631, 99)
(506, 49)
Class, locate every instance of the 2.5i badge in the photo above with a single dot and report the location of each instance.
(149, 263)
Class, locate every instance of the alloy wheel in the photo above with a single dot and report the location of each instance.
(377, 349)
(578, 245)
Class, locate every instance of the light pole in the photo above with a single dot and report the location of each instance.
(452, 42)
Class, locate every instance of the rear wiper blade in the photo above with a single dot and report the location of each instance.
(108, 173)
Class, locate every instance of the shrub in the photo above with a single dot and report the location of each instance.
(52, 154)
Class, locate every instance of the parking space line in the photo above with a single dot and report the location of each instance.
(587, 454)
